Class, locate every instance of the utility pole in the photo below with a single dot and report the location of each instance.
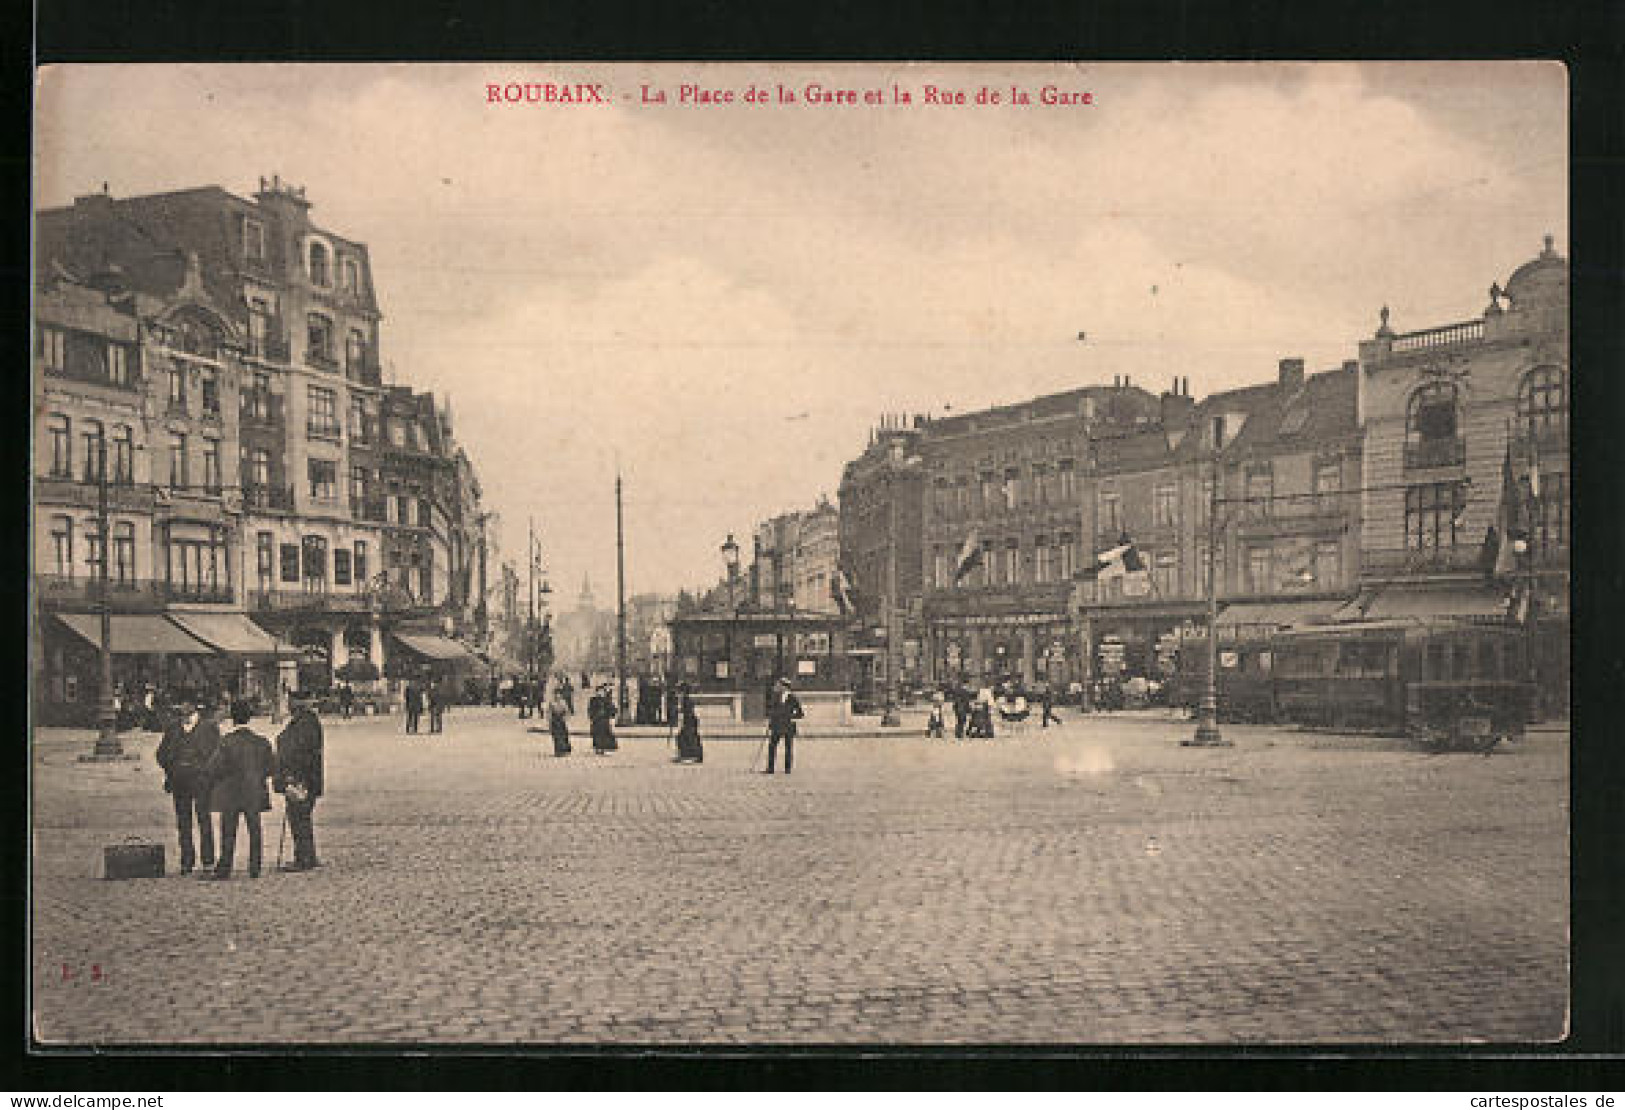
(620, 605)
(888, 715)
(107, 741)
(530, 592)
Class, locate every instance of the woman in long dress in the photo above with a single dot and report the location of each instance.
(688, 733)
(558, 723)
(601, 711)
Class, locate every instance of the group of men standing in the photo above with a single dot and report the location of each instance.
(431, 695)
(207, 774)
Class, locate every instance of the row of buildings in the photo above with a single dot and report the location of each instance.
(1362, 491)
(212, 424)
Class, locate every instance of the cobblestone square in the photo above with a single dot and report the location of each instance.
(1096, 883)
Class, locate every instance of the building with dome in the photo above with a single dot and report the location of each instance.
(1466, 429)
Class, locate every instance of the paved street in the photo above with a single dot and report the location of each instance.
(1094, 884)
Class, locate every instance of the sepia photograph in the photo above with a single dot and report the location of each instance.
(582, 556)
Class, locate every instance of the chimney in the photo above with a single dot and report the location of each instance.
(1175, 408)
(1291, 373)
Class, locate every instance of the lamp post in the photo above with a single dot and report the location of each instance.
(730, 560)
(1207, 724)
(107, 741)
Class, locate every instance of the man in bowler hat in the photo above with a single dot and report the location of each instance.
(184, 753)
(237, 778)
(299, 780)
(783, 712)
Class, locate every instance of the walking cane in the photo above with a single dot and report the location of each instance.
(283, 835)
(760, 748)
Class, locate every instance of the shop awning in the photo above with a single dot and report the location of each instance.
(231, 634)
(1399, 602)
(136, 634)
(437, 649)
(1275, 614)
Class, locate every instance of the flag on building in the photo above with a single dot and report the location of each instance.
(841, 591)
(1499, 557)
(1114, 561)
(970, 556)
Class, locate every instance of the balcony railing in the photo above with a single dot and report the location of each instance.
(322, 360)
(369, 508)
(1468, 331)
(289, 600)
(122, 594)
(1431, 453)
(323, 429)
(214, 594)
(272, 348)
(1428, 560)
(278, 498)
(363, 369)
(261, 409)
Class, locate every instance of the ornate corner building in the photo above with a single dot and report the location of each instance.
(221, 355)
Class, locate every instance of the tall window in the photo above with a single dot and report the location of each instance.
(355, 351)
(1549, 528)
(1041, 483)
(197, 567)
(939, 569)
(361, 562)
(324, 479)
(962, 495)
(259, 467)
(425, 514)
(1328, 482)
(209, 394)
(61, 432)
(1066, 479)
(123, 462)
(360, 432)
(324, 411)
(319, 271)
(62, 546)
(1543, 403)
(253, 239)
(1258, 570)
(95, 550)
(358, 485)
(1068, 556)
(1432, 437)
(264, 559)
(1012, 487)
(256, 401)
(1043, 564)
(1166, 505)
(341, 566)
(124, 553)
(990, 490)
(1165, 573)
(939, 497)
(1431, 513)
(319, 338)
(426, 577)
(1012, 562)
(315, 564)
(1328, 565)
(53, 349)
(288, 556)
(95, 441)
(1260, 490)
(118, 364)
(211, 464)
(990, 566)
(1110, 522)
(259, 326)
(177, 461)
(352, 276)
(177, 388)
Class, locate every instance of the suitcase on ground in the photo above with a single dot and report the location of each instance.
(134, 859)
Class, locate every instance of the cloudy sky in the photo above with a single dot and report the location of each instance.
(723, 298)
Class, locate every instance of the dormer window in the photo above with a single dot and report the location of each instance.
(352, 276)
(319, 271)
(253, 240)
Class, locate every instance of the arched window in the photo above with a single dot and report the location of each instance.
(319, 274)
(1543, 403)
(1432, 435)
(95, 449)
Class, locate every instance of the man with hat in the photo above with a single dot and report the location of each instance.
(190, 741)
(782, 715)
(237, 778)
(299, 780)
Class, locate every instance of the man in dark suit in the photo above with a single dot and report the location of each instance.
(784, 710)
(184, 753)
(414, 705)
(237, 788)
(299, 780)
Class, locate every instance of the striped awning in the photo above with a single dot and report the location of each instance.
(231, 634)
(437, 649)
(136, 634)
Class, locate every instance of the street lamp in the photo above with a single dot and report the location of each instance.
(1207, 725)
(730, 560)
(107, 741)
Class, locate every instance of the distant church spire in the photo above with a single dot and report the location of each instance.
(585, 600)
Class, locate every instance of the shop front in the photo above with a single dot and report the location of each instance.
(732, 661)
(148, 651)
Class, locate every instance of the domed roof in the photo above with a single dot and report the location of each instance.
(1540, 281)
